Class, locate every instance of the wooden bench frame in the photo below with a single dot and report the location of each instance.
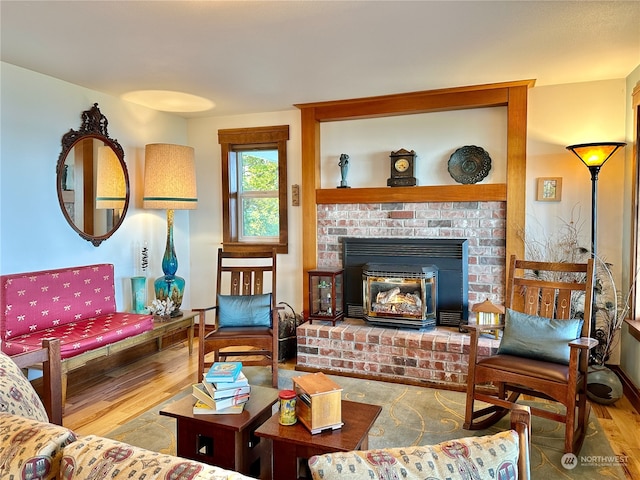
(159, 330)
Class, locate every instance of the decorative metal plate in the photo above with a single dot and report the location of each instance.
(469, 164)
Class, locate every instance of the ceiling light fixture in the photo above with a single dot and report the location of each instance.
(169, 101)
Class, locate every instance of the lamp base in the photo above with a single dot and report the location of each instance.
(170, 286)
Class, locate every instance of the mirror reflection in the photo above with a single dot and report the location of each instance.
(93, 184)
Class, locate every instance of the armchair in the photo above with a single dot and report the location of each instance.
(544, 351)
(246, 316)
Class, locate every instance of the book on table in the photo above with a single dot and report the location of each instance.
(220, 390)
(200, 393)
(223, 372)
(241, 381)
(201, 408)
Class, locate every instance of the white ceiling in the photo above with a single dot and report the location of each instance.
(248, 56)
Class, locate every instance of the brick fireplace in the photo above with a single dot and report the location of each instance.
(435, 357)
(481, 223)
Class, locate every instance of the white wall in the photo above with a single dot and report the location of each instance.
(562, 115)
(37, 111)
(433, 136)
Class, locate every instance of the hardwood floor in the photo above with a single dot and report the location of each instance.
(98, 404)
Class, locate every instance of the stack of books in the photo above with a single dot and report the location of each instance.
(224, 389)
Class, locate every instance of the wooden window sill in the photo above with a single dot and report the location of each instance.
(634, 328)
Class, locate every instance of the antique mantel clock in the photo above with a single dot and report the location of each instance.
(402, 168)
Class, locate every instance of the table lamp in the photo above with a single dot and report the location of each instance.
(170, 183)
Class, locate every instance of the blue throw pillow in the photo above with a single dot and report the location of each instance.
(244, 310)
(538, 337)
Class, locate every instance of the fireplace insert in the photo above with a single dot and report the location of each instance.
(400, 295)
(449, 255)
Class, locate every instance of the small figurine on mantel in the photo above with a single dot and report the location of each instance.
(344, 170)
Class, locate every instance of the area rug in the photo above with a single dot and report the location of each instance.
(410, 416)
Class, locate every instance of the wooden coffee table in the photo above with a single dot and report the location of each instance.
(293, 445)
(227, 441)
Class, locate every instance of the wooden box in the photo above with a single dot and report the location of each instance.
(319, 402)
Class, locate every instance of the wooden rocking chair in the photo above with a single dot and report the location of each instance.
(528, 364)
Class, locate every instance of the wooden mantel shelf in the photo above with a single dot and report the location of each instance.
(436, 193)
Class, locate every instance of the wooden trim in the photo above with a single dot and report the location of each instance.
(634, 328)
(437, 193)
(458, 98)
(513, 95)
(249, 135)
(310, 150)
(230, 138)
(629, 388)
(635, 203)
(516, 170)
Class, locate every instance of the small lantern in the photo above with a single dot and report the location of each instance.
(488, 314)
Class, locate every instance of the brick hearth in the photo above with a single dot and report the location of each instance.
(436, 357)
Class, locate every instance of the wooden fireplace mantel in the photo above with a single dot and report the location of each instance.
(512, 95)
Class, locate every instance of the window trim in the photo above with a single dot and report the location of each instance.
(230, 139)
(635, 219)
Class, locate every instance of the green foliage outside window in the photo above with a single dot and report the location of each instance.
(260, 205)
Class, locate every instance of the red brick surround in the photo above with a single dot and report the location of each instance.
(437, 357)
(481, 223)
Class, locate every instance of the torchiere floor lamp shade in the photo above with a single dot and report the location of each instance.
(170, 183)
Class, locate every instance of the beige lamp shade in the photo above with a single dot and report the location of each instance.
(111, 191)
(170, 177)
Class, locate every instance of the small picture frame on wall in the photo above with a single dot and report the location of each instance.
(549, 189)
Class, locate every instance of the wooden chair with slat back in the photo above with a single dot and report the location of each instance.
(242, 278)
(539, 289)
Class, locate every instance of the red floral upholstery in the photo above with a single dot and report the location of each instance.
(76, 305)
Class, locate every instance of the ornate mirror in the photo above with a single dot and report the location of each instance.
(92, 179)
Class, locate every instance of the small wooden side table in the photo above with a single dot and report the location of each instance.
(293, 445)
(227, 441)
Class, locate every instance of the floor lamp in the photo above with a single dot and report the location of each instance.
(594, 155)
(170, 183)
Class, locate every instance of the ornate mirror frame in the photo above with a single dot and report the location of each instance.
(101, 216)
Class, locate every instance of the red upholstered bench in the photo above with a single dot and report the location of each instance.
(76, 305)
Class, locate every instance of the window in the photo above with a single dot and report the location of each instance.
(254, 187)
